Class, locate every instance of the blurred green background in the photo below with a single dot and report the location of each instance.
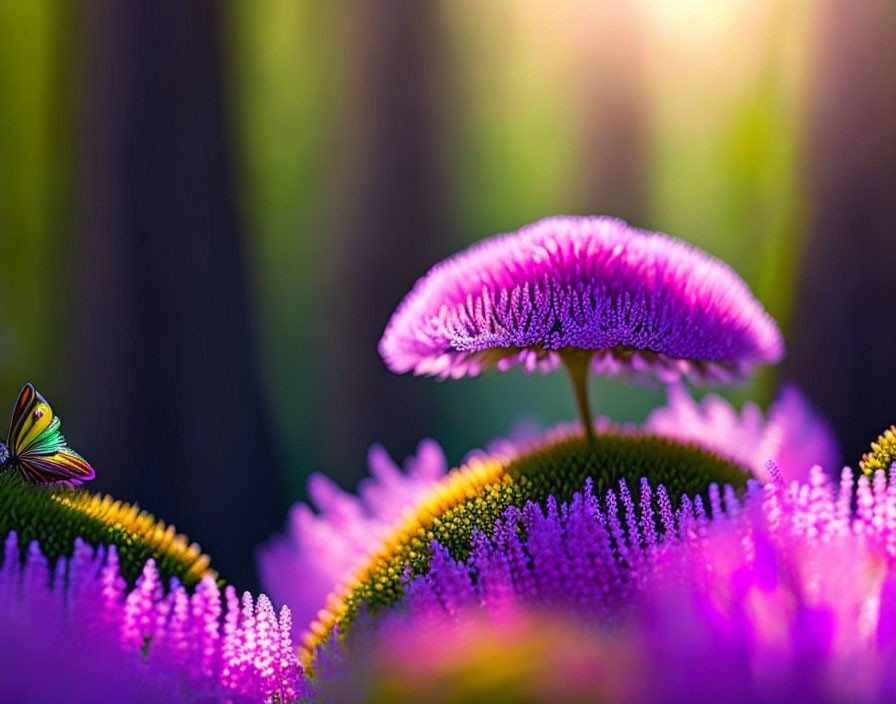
(208, 211)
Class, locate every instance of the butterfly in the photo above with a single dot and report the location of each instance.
(35, 446)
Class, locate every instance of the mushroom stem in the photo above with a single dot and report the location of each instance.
(576, 362)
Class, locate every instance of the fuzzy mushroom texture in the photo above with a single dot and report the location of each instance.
(642, 301)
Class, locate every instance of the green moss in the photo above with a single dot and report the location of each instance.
(560, 470)
(56, 515)
(883, 453)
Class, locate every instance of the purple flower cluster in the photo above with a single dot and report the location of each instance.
(583, 555)
(784, 594)
(643, 301)
(147, 644)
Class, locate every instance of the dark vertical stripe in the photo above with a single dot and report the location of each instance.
(388, 227)
(165, 349)
(843, 335)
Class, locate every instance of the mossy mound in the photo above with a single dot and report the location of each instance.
(474, 497)
(55, 515)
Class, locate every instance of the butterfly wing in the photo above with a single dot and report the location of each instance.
(21, 413)
(64, 466)
(37, 446)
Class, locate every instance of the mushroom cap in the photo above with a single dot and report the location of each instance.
(643, 302)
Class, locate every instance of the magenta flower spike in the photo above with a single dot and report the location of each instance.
(592, 292)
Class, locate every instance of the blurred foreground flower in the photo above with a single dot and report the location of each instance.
(523, 658)
(320, 550)
(783, 595)
(74, 632)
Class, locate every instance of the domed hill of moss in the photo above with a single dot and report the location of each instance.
(475, 496)
(55, 515)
